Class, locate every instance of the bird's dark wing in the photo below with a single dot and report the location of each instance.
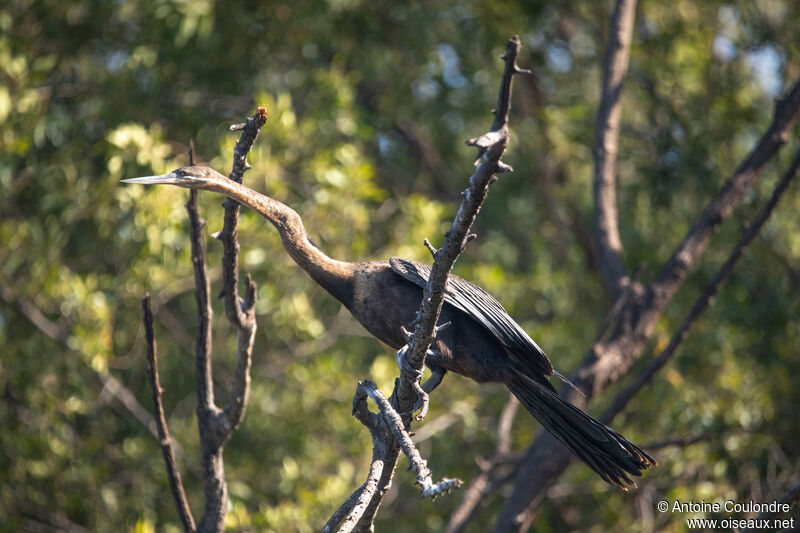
(484, 309)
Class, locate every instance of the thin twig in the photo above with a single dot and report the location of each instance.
(240, 388)
(173, 473)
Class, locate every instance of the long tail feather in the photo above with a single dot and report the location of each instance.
(604, 450)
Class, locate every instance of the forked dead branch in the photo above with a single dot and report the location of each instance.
(215, 425)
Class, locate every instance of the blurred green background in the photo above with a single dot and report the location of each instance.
(370, 104)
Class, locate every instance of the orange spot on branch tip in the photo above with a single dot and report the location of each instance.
(262, 113)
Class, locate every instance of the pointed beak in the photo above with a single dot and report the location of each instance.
(173, 178)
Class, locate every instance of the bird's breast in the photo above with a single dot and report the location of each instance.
(383, 302)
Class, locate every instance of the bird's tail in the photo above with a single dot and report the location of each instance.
(604, 450)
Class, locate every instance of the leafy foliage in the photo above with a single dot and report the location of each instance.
(369, 104)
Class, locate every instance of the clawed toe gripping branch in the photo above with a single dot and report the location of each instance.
(414, 375)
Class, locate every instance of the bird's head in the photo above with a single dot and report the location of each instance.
(186, 177)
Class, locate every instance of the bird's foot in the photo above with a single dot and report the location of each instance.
(422, 396)
(437, 375)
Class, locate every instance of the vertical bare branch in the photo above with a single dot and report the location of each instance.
(173, 473)
(240, 313)
(240, 388)
(609, 244)
(229, 236)
(215, 489)
(202, 293)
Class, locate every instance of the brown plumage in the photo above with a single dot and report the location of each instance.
(483, 342)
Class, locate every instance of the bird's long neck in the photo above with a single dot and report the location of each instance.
(334, 276)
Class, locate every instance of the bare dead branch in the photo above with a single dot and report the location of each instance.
(707, 298)
(503, 108)
(491, 147)
(346, 507)
(240, 388)
(363, 497)
(236, 310)
(418, 464)
(173, 472)
(611, 358)
(202, 292)
(609, 244)
(216, 425)
(215, 488)
(675, 269)
(352, 510)
(240, 313)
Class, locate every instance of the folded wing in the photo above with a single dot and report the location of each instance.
(487, 311)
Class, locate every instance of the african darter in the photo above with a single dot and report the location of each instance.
(483, 342)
